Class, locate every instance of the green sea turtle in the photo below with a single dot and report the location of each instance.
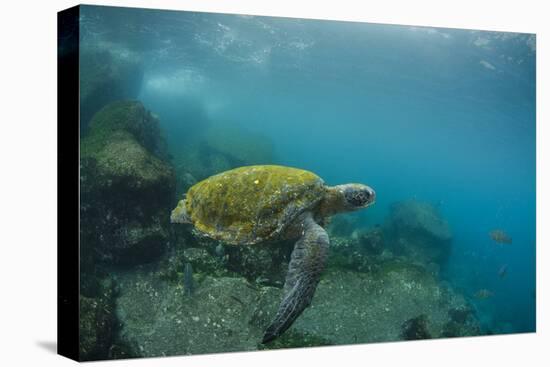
(254, 204)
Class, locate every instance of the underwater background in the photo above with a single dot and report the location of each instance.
(440, 122)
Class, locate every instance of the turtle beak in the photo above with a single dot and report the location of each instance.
(371, 196)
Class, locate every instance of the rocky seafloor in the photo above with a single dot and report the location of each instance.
(229, 313)
(149, 288)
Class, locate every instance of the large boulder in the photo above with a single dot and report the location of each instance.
(351, 307)
(361, 251)
(348, 253)
(370, 240)
(121, 162)
(417, 230)
(106, 76)
(159, 319)
(125, 116)
(127, 185)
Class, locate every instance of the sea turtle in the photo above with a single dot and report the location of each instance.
(254, 204)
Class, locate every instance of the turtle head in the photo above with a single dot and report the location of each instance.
(357, 196)
(347, 198)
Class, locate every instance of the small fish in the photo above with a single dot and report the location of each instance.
(503, 271)
(483, 294)
(499, 236)
(188, 281)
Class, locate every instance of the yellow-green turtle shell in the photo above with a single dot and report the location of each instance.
(252, 204)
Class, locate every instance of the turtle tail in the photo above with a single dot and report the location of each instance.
(304, 271)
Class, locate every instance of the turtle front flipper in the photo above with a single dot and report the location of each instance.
(304, 270)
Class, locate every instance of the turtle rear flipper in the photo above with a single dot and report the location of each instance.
(179, 214)
(304, 270)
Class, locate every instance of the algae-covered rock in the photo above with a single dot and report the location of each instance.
(139, 242)
(351, 307)
(362, 251)
(127, 185)
(371, 240)
(128, 116)
(346, 253)
(461, 321)
(123, 163)
(203, 261)
(97, 324)
(171, 268)
(106, 77)
(222, 315)
(262, 264)
(416, 328)
(230, 313)
(265, 264)
(417, 230)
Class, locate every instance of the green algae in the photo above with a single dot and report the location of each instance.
(122, 116)
(122, 139)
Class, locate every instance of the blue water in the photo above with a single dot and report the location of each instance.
(442, 115)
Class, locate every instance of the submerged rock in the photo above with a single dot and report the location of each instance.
(230, 313)
(129, 116)
(127, 185)
(351, 307)
(201, 260)
(371, 241)
(417, 230)
(363, 251)
(263, 264)
(461, 318)
(224, 315)
(346, 253)
(122, 163)
(415, 328)
(172, 267)
(105, 77)
(97, 323)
